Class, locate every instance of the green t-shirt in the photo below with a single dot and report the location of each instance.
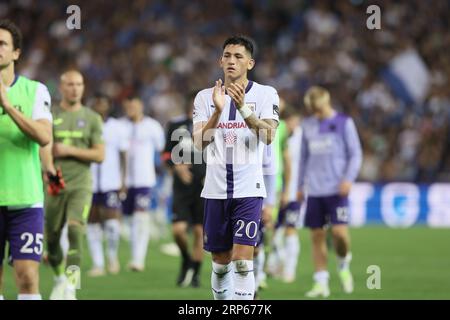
(281, 140)
(81, 129)
(20, 167)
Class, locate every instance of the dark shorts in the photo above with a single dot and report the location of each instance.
(324, 210)
(231, 221)
(188, 207)
(109, 200)
(24, 231)
(260, 238)
(289, 215)
(73, 205)
(138, 199)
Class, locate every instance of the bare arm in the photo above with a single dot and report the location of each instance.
(46, 156)
(39, 131)
(265, 129)
(204, 131)
(94, 154)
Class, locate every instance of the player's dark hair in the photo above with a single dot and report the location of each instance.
(14, 31)
(102, 95)
(243, 41)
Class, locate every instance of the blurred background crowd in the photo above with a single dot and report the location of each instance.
(395, 82)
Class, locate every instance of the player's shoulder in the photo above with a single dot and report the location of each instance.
(204, 94)
(40, 87)
(342, 115)
(151, 122)
(88, 111)
(309, 121)
(264, 88)
(114, 122)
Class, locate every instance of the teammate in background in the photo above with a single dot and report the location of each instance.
(25, 124)
(188, 206)
(330, 160)
(290, 208)
(234, 121)
(282, 165)
(108, 183)
(77, 143)
(269, 203)
(145, 137)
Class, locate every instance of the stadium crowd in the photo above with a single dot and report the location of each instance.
(160, 50)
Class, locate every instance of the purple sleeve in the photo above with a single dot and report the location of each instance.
(354, 152)
(304, 154)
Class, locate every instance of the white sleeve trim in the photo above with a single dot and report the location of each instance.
(42, 104)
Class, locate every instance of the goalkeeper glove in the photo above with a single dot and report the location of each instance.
(55, 183)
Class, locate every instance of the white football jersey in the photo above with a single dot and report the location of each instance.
(145, 138)
(106, 175)
(235, 157)
(295, 147)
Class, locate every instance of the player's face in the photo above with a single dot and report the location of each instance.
(134, 108)
(101, 106)
(7, 52)
(236, 61)
(72, 87)
(318, 108)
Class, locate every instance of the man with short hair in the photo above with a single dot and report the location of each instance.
(77, 143)
(25, 125)
(330, 159)
(234, 121)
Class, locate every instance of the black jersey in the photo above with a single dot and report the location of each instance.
(179, 141)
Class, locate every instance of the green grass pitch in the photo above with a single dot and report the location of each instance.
(414, 263)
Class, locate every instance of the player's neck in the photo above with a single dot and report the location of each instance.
(242, 80)
(8, 75)
(69, 106)
(327, 113)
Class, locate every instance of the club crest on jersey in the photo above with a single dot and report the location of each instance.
(81, 123)
(251, 105)
(230, 137)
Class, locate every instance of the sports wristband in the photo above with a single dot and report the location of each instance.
(245, 112)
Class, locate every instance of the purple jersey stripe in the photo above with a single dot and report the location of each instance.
(249, 86)
(229, 152)
(232, 115)
(230, 181)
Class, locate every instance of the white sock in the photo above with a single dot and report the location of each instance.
(344, 262)
(60, 278)
(222, 281)
(292, 249)
(125, 227)
(322, 277)
(95, 244)
(1, 297)
(140, 235)
(112, 230)
(258, 264)
(244, 280)
(276, 257)
(26, 296)
(64, 241)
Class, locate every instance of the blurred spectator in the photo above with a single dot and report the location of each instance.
(162, 49)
